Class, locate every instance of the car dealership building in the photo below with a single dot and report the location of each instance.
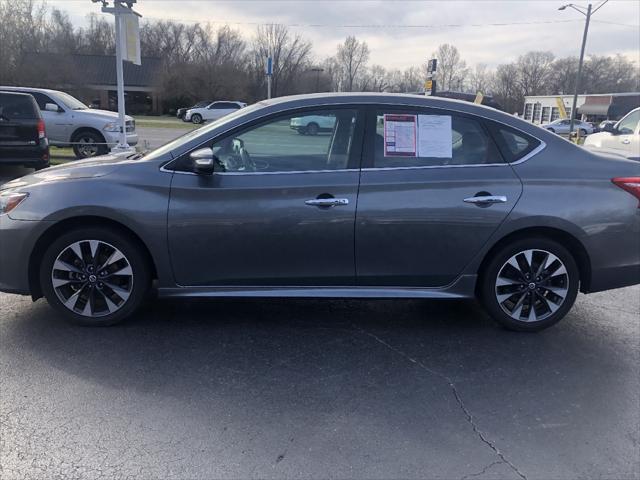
(590, 107)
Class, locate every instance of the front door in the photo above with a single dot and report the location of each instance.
(279, 210)
(625, 139)
(434, 187)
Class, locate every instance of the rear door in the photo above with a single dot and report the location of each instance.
(434, 187)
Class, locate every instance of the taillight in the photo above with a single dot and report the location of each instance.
(630, 184)
(41, 131)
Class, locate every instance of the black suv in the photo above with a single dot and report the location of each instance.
(23, 140)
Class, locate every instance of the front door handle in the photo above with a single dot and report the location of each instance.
(327, 202)
(626, 141)
(482, 200)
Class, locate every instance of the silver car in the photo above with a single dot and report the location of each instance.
(407, 196)
(561, 127)
(70, 123)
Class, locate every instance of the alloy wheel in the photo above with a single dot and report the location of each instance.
(87, 147)
(532, 285)
(92, 278)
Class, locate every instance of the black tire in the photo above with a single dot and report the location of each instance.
(312, 129)
(196, 118)
(129, 247)
(88, 144)
(551, 130)
(488, 289)
(583, 132)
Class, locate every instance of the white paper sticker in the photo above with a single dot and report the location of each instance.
(399, 135)
(434, 136)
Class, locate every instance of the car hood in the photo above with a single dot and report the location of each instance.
(95, 113)
(90, 168)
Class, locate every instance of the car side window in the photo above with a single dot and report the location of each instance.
(426, 139)
(628, 124)
(42, 99)
(513, 143)
(311, 141)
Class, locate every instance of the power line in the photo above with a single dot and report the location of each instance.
(392, 26)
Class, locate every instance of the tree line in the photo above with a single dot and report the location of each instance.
(201, 62)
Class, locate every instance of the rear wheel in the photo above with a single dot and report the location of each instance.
(89, 144)
(196, 118)
(312, 129)
(94, 276)
(530, 284)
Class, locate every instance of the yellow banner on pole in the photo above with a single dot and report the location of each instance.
(561, 110)
(479, 98)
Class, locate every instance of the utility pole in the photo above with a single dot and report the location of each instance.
(118, 11)
(269, 72)
(589, 11)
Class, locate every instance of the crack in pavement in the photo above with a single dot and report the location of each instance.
(456, 394)
(484, 470)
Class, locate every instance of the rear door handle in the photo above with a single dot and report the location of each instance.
(327, 202)
(486, 199)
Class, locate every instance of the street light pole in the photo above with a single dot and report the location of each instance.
(122, 145)
(587, 14)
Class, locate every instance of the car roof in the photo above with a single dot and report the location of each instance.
(15, 94)
(27, 89)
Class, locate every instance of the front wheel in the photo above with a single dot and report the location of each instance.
(551, 130)
(89, 144)
(312, 129)
(530, 284)
(196, 118)
(94, 276)
(583, 132)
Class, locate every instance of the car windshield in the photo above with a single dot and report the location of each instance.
(71, 102)
(202, 131)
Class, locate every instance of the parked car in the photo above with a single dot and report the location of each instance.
(180, 113)
(213, 111)
(70, 123)
(23, 138)
(454, 200)
(622, 138)
(561, 127)
(312, 124)
(604, 125)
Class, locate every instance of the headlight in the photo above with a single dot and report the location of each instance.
(10, 200)
(111, 127)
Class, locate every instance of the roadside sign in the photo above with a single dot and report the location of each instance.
(479, 98)
(130, 39)
(432, 65)
(561, 110)
(269, 66)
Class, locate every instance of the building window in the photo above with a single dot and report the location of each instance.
(528, 109)
(555, 113)
(546, 112)
(536, 112)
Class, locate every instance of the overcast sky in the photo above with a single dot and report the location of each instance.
(405, 33)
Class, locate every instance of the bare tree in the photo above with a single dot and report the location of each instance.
(535, 72)
(352, 59)
(452, 70)
(480, 79)
(291, 57)
(506, 88)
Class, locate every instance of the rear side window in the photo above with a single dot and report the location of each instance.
(513, 143)
(17, 107)
(42, 99)
(421, 138)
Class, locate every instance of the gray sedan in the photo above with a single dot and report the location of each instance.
(406, 196)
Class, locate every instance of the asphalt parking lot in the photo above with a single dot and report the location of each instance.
(321, 389)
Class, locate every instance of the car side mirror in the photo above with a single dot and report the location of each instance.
(203, 161)
(52, 107)
(608, 127)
